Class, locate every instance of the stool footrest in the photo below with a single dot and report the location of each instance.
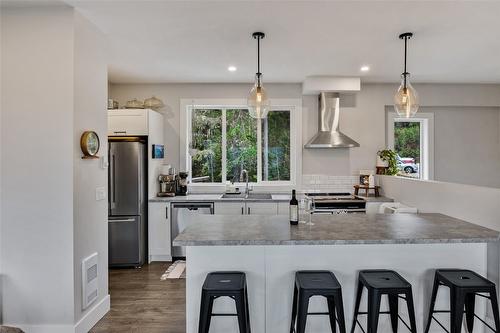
(318, 313)
(224, 314)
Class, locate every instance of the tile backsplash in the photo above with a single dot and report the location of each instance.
(325, 183)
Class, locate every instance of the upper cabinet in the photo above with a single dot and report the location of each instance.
(141, 122)
(124, 122)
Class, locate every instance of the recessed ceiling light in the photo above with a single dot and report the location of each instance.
(365, 68)
(232, 68)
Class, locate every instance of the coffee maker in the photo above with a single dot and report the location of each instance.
(168, 185)
(182, 182)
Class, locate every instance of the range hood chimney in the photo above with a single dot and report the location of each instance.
(329, 135)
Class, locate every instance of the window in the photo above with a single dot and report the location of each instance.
(222, 141)
(276, 146)
(412, 139)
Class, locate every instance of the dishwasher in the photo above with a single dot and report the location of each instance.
(183, 215)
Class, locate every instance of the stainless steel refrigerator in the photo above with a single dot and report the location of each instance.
(127, 207)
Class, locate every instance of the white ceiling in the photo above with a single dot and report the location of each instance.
(195, 41)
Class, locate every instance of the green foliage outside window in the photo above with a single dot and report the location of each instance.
(241, 145)
(407, 139)
(206, 128)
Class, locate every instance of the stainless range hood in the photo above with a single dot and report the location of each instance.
(329, 135)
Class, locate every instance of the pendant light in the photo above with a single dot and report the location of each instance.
(406, 98)
(258, 102)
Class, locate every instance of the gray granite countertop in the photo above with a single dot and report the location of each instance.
(218, 197)
(218, 230)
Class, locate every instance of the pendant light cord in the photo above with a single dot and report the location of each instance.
(405, 73)
(258, 61)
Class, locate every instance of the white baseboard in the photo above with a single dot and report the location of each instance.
(43, 328)
(159, 257)
(93, 316)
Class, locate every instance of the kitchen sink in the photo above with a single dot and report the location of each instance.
(260, 196)
(234, 196)
(255, 196)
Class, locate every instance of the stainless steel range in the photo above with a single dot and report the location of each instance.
(337, 203)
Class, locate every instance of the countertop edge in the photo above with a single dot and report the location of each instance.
(334, 242)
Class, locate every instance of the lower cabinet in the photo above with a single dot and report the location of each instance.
(262, 208)
(159, 240)
(248, 208)
(283, 208)
(229, 208)
(372, 207)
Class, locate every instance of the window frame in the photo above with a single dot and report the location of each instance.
(294, 106)
(426, 120)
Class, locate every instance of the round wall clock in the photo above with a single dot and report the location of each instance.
(89, 143)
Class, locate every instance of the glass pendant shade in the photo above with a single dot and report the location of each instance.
(258, 102)
(406, 100)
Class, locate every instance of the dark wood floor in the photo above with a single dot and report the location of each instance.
(141, 303)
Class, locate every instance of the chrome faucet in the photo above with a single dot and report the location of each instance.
(247, 189)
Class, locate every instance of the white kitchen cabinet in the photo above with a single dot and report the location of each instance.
(159, 239)
(229, 208)
(283, 208)
(261, 208)
(126, 122)
(372, 207)
(246, 208)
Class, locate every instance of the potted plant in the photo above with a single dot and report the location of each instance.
(389, 159)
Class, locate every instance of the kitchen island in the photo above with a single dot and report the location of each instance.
(269, 251)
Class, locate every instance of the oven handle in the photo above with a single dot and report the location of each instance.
(334, 211)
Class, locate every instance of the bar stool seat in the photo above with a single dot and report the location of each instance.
(383, 282)
(317, 283)
(464, 286)
(224, 284)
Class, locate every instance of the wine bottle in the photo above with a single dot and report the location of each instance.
(294, 210)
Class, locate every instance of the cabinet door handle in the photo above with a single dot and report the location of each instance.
(242, 212)
(166, 212)
(248, 210)
(120, 132)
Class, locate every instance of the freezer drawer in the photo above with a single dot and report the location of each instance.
(125, 247)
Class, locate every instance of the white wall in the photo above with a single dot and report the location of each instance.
(49, 216)
(471, 203)
(362, 115)
(466, 145)
(90, 113)
(37, 166)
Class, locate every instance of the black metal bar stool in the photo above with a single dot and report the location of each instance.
(224, 284)
(464, 286)
(317, 283)
(383, 282)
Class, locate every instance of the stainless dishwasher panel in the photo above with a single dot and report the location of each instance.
(182, 217)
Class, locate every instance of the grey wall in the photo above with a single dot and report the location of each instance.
(90, 231)
(37, 166)
(466, 145)
(53, 88)
(362, 115)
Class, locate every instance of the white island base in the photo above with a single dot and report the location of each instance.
(270, 277)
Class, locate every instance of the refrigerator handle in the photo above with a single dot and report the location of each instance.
(113, 183)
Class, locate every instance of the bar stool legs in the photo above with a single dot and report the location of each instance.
(224, 284)
(317, 283)
(464, 286)
(378, 283)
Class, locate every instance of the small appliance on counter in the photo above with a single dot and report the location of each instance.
(182, 182)
(168, 185)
